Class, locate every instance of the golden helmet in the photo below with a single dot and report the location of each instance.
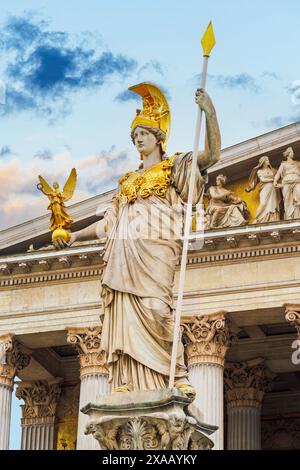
(155, 112)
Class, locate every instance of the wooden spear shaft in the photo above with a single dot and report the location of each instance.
(187, 225)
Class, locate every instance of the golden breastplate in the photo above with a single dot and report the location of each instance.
(154, 181)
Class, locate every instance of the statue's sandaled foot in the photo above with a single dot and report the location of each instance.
(187, 389)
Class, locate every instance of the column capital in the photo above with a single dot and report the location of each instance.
(13, 358)
(41, 398)
(292, 315)
(87, 341)
(207, 338)
(246, 383)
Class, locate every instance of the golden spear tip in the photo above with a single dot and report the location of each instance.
(208, 40)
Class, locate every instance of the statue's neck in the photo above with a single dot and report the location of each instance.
(152, 159)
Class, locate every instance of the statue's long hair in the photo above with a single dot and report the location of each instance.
(253, 179)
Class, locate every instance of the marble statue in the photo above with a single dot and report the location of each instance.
(224, 208)
(140, 258)
(263, 175)
(288, 179)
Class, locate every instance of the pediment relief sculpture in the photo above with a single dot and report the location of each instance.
(263, 176)
(225, 209)
(288, 179)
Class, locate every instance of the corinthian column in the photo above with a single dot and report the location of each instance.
(292, 315)
(93, 376)
(12, 360)
(245, 386)
(207, 339)
(38, 413)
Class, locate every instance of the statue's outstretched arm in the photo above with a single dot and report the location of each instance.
(212, 152)
(92, 232)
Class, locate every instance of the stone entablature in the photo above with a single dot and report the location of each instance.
(86, 260)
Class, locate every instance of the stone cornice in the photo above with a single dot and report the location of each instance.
(86, 260)
(256, 146)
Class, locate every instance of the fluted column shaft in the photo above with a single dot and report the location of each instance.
(38, 436)
(245, 386)
(243, 428)
(5, 413)
(208, 382)
(91, 386)
(93, 376)
(292, 315)
(207, 339)
(13, 358)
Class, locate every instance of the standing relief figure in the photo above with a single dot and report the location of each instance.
(224, 208)
(140, 260)
(288, 179)
(269, 195)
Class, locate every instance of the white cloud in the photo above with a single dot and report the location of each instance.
(20, 199)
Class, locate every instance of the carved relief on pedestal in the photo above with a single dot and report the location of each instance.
(41, 400)
(88, 343)
(149, 433)
(207, 339)
(246, 383)
(225, 209)
(13, 358)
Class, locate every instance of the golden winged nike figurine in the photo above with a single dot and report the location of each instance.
(60, 220)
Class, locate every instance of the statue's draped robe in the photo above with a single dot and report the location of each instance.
(59, 215)
(142, 249)
(269, 196)
(291, 189)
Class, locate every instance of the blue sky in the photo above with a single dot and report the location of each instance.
(66, 66)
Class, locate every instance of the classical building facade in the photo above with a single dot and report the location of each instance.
(241, 321)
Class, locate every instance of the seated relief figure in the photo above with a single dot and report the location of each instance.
(269, 196)
(288, 179)
(224, 208)
(138, 275)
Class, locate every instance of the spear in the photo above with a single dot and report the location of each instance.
(207, 42)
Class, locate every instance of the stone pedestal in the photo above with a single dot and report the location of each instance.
(38, 413)
(207, 339)
(13, 358)
(93, 376)
(245, 386)
(146, 420)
